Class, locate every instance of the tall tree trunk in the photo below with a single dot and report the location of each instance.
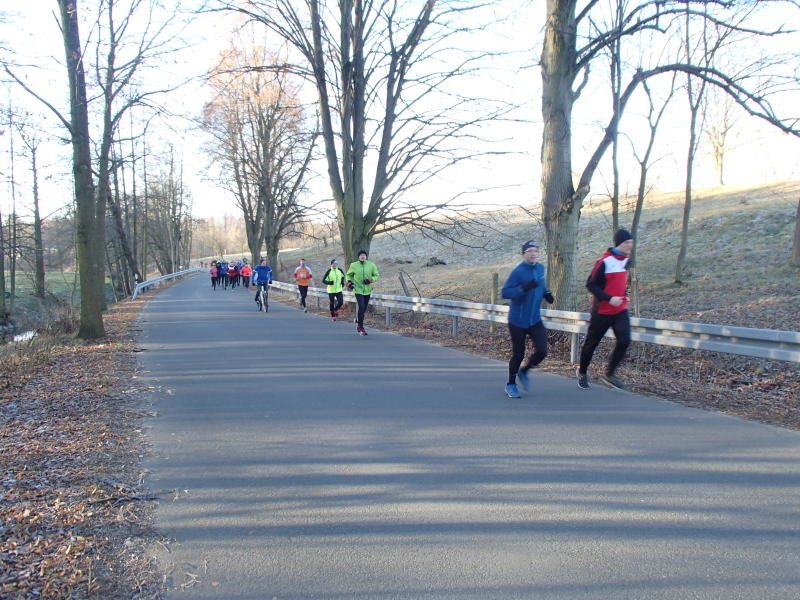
(680, 265)
(38, 246)
(3, 311)
(90, 254)
(561, 205)
(795, 259)
(130, 258)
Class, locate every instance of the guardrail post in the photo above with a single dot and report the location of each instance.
(493, 300)
(456, 319)
(574, 347)
(388, 317)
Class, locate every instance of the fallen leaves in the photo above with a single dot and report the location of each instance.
(70, 448)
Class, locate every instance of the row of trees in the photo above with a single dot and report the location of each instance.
(388, 123)
(127, 215)
(393, 109)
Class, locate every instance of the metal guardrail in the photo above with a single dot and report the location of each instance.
(760, 343)
(140, 287)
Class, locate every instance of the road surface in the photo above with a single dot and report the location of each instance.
(313, 463)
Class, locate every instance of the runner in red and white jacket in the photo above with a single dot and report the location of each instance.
(608, 283)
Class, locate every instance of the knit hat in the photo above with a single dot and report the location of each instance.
(623, 235)
(333, 261)
(529, 244)
(360, 252)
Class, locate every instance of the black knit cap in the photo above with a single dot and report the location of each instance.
(360, 252)
(623, 235)
(529, 244)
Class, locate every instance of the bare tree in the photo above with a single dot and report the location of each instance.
(262, 145)
(391, 119)
(720, 118)
(169, 217)
(565, 62)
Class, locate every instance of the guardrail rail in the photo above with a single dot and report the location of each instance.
(772, 344)
(144, 285)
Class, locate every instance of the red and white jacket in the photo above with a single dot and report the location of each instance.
(609, 278)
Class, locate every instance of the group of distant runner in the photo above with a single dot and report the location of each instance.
(525, 288)
(359, 279)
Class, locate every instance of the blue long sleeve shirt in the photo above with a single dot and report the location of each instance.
(524, 310)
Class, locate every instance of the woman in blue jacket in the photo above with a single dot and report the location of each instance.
(526, 288)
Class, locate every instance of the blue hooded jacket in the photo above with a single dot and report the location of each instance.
(525, 305)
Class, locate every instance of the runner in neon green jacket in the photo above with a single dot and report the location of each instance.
(334, 279)
(361, 275)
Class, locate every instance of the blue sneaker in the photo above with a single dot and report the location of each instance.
(512, 391)
(524, 379)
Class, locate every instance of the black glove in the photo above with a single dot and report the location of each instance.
(350, 285)
(549, 297)
(326, 282)
(367, 281)
(530, 285)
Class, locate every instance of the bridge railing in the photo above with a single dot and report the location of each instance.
(144, 285)
(760, 343)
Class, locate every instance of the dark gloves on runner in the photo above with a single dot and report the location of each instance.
(350, 285)
(367, 281)
(549, 297)
(530, 285)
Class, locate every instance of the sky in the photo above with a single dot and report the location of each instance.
(760, 153)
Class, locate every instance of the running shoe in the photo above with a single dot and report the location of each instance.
(524, 379)
(613, 381)
(333, 318)
(363, 331)
(583, 379)
(512, 391)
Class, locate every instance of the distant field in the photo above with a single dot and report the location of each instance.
(63, 286)
(737, 268)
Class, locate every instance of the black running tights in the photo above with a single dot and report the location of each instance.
(363, 302)
(598, 326)
(336, 300)
(538, 334)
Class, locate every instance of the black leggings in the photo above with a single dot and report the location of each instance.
(336, 300)
(538, 334)
(598, 326)
(363, 302)
(303, 292)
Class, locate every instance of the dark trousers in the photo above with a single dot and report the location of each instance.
(363, 302)
(336, 300)
(598, 326)
(265, 287)
(213, 283)
(538, 334)
(303, 293)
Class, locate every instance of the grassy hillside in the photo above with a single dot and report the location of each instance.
(737, 268)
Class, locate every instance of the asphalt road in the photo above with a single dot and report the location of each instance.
(313, 463)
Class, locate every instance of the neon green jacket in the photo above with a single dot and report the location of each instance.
(358, 272)
(336, 278)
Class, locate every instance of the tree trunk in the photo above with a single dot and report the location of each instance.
(3, 311)
(38, 246)
(680, 265)
(795, 259)
(560, 204)
(90, 254)
(127, 252)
